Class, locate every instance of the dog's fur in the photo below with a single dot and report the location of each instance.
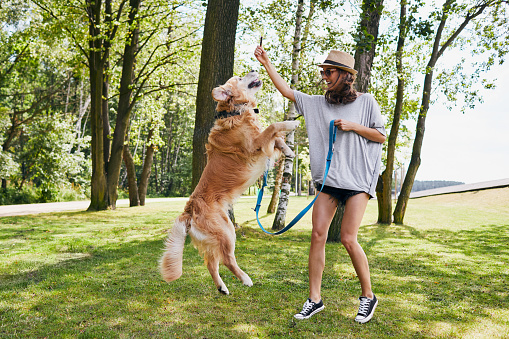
(237, 151)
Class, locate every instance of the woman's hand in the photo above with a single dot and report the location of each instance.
(345, 125)
(369, 133)
(278, 81)
(261, 55)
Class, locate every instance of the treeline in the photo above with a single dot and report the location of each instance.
(431, 184)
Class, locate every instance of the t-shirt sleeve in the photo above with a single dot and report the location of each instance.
(376, 120)
(302, 101)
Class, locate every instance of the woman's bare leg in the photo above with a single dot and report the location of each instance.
(352, 218)
(323, 212)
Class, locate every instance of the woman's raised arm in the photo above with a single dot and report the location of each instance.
(281, 85)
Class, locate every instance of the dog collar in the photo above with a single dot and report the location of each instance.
(226, 114)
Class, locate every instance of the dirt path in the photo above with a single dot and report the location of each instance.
(12, 210)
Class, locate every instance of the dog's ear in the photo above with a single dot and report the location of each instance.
(221, 93)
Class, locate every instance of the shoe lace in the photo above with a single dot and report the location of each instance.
(307, 307)
(364, 306)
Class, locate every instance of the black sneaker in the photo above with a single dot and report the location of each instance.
(366, 309)
(309, 309)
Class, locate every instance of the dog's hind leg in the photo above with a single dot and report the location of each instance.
(213, 267)
(230, 262)
(228, 254)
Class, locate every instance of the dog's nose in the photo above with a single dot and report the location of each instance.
(252, 71)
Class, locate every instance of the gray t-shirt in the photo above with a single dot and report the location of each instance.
(356, 161)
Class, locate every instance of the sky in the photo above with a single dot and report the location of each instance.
(471, 147)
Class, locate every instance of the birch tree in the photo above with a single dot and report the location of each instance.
(489, 21)
(279, 219)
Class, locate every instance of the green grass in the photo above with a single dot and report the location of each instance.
(95, 275)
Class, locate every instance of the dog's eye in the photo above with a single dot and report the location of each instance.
(240, 79)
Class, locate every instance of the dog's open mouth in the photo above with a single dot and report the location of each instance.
(256, 83)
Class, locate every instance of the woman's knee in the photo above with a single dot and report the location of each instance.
(349, 242)
(319, 235)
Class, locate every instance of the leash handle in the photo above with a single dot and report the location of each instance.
(332, 139)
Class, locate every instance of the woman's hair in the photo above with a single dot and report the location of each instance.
(342, 91)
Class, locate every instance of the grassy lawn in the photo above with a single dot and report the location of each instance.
(444, 274)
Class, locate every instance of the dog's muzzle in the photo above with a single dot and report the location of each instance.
(256, 83)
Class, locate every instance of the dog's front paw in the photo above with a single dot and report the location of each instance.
(293, 124)
(288, 153)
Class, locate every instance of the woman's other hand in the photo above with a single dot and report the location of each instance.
(345, 125)
(261, 55)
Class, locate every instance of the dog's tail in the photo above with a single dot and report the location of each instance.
(171, 262)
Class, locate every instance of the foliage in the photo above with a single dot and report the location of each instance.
(48, 162)
(8, 167)
(80, 274)
(47, 155)
(30, 194)
(43, 65)
(37, 136)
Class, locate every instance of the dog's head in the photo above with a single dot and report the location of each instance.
(237, 91)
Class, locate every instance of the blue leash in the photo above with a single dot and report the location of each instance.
(332, 139)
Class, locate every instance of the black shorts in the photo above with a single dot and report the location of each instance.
(340, 194)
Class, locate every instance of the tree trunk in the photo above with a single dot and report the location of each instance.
(106, 119)
(124, 104)
(216, 67)
(279, 177)
(384, 193)
(334, 233)
(131, 177)
(366, 46)
(279, 220)
(98, 182)
(147, 165)
(364, 56)
(438, 50)
(286, 183)
(277, 186)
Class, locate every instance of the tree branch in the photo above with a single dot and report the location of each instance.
(468, 18)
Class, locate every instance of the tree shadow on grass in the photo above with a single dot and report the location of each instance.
(489, 240)
(457, 277)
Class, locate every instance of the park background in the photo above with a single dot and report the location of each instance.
(105, 97)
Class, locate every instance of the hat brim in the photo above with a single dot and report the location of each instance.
(348, 69)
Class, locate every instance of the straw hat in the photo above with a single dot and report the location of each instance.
(341, 60)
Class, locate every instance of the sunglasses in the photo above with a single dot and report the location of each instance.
(327, 72)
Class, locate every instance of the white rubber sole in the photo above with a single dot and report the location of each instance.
(301, 317)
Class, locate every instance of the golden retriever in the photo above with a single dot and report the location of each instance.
(238, 152)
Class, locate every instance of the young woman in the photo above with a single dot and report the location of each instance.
(354, 168)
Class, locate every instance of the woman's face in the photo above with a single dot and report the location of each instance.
(330, 75)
